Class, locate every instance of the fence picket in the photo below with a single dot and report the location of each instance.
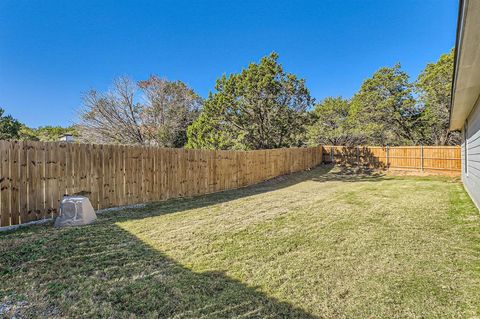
(439, 159)
(35, 175)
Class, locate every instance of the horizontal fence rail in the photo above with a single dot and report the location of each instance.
(34, 176)
(440, 159)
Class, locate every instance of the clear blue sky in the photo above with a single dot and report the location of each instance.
(52, 51)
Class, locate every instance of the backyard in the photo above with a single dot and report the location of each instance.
(324, 243)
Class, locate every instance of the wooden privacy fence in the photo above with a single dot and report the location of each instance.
(35, 175)
(440, 159)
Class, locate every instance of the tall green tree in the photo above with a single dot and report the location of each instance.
(434, 87)
(210, 131)
(332, 123)
(9, 127)
(261, 107)
(170, 107)
(384, 109)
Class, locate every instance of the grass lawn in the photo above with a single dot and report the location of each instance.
(317, 244)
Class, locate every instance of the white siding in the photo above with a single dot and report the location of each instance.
(471, 178)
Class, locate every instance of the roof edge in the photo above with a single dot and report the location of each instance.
(462, 8)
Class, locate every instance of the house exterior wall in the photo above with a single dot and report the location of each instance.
(471, 154)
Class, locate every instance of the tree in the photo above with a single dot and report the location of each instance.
(434, 87)
(384, 109)
(261, 107)
(119, 116)
(27, 134)
(112, 117)
(9, 127)
(212, 133)
(170, 108)
(45, 133)
(332, 123)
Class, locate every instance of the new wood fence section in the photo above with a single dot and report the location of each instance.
(34, 175)
(439, 159)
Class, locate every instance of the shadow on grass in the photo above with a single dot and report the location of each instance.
(101, 270)
(347, 173)
(324, 173)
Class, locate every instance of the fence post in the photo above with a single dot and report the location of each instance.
(358, 156)
(388, 157)
(421, 165)
(331, 153)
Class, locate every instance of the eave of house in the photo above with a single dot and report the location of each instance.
(466, 78)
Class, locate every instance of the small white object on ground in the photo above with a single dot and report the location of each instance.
(75, 211)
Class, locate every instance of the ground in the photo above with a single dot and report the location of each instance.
(317, 244)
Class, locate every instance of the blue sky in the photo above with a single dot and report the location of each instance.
(52, 51)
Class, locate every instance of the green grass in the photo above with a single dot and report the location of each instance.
(317, 244)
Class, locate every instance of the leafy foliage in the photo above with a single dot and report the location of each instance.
(332, 123)
(170, 108)
(46, 133)
(208, 132)
(261, 107)
(434, 86)
(384, 109)
(27, 134)
(9, 127)
(388, 109)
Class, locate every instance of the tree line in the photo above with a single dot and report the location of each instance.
(388, 109)
(13, 129)
(263, 107)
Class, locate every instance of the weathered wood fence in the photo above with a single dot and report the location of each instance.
(34, 175)
(440, 159)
